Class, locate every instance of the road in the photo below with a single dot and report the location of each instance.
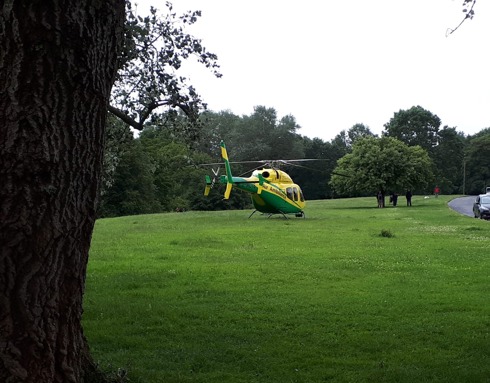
(463, 205)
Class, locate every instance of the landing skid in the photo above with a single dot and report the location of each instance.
(250, 216)
(300, 214)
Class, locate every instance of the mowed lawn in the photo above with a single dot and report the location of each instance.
(352, 293)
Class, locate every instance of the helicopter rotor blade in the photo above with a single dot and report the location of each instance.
(316, 170)
(305, 160)
(340, 174)
(265, 162)
(234, 162)
(274, 164)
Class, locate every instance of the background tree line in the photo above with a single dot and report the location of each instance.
(160, 169)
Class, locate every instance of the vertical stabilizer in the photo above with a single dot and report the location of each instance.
(229, 177)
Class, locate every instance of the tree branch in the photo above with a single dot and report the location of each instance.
(148, 111)
(469, 15)
(125, 118)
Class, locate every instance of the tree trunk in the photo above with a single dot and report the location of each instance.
(58, 59)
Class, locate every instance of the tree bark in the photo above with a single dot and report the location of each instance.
(58, 59)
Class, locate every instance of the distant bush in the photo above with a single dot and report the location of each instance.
(386, 234)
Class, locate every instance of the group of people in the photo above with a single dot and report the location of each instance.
(393, 198)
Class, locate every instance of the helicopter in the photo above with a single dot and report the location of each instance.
(272, 190)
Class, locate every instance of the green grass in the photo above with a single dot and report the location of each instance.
(352, 293)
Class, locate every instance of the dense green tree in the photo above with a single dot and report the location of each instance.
(133, 190)
(447, 156)
(415, 126)
(341, 143)
(254, 138)
(118, 139)
(58, 61)
(258, 136)
(382, 164)
(477, 162)
(285, 141)
(358, 131)
(313, 176)
(217, 126)
(175, 175)
(158, 172)
(347, 139)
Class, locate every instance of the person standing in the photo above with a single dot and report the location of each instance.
(437, 191)
(408, 196)
(380, 199)
(394, 198)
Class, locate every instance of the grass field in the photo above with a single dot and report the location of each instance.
(352, 293)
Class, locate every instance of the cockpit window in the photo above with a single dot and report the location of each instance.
(289, 193)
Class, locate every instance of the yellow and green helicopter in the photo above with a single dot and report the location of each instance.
(273, 191)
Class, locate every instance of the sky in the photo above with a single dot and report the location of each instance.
(332, 64)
